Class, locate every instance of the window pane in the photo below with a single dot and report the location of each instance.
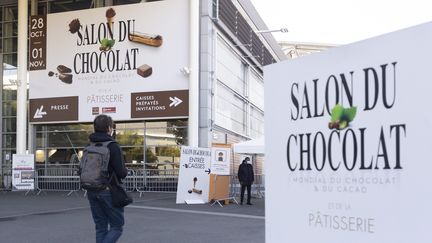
(9, 125)
(70, 127)
(11, 13)
(139, 125)
(230, 110)
(9, 94)
(63, 6)
(230, 69)
(68, 157)
(160, 136)
(9, 108)
(257, 123)
(9, 141)
(163, 157)
(10, 29)
(130, 137)
(40, 139)
(134, 156)
(75, 139)
(9, 59)
(7, 158)
(256, 94)
(10, 45)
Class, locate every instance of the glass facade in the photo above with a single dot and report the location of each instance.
(239, 94)
(62, 145)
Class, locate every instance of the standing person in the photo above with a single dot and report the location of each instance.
(109, 220)
(246, 177)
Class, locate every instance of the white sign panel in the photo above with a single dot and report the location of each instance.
(23, 172)
(221, 161)
(193, 181)
(123, 61)
(348, 143)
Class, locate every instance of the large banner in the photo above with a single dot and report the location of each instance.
(348, 143)
(23, 172)
(124, 61)
(193, 181)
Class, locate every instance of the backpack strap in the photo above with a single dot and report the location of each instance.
(104, 144)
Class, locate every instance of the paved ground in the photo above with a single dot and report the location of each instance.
(153, 218)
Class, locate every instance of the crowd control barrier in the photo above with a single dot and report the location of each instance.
(140, 180)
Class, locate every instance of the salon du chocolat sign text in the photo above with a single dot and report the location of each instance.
(350, 146)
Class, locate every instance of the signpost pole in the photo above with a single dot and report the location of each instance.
(22, 78)
(193, 122)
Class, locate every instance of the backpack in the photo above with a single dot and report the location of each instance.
(94, 163)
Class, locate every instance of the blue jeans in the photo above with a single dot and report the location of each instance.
(104, 214)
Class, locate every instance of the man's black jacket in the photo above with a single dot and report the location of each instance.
(245, 173)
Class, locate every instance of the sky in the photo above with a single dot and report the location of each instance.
(340, 21)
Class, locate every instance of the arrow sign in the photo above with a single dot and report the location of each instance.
(208, 171)
(175, 101)
(39, 112)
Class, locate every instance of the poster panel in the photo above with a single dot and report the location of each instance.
(193, 181)
(348, 143)
(221, 160)
(88, 62)
(23, 172)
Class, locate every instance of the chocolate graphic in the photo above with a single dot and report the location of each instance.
(109, 14)
(66, 77)
(63, 69)
(193, 189)
(147, 39)
(144, 70)
(64, 74)
(74, 26)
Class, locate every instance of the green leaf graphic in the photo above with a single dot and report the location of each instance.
(104, 42)
(337, 112)
(350, 113)
(341, 117)
(110, 43)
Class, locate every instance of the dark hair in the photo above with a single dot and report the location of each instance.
(102, 123)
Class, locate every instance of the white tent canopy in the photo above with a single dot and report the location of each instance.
(254, 146)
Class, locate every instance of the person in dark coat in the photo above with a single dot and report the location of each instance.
(246, 177)
(109, 220)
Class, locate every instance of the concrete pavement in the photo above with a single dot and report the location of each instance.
(154, 218)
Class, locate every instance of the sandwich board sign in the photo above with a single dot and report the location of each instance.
(350, 144)
(194, 179)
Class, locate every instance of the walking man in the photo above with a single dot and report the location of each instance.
(109, 220)
(246, 177)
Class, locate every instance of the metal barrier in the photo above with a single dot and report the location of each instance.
(257, 190)
(141, 180)
(154, 180)
(6, 178)
(57, 179)
(130, 181)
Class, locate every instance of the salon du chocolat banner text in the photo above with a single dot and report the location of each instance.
(348, 136)
(89, 62)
